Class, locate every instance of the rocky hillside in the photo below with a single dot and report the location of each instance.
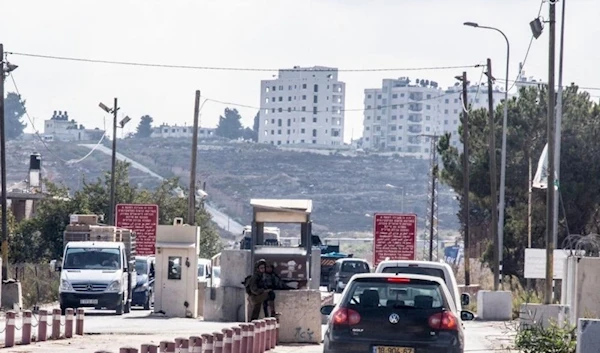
(345, 189)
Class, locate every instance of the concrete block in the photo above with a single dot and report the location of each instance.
(12, 295)
(315, 269)
(546, 315)
(494, 305)
(224, 304)
(201, 296)
(235, 266)
(588, 335)
(300, 320)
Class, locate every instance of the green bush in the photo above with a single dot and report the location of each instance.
(554, 339)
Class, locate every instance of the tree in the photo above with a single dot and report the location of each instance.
(230, 125)
(41, 238)
(14, 109)
(144, 128)
(526, 137)
(256, 125)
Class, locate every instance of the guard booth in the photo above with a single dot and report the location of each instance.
(176, 284)
(299, 267)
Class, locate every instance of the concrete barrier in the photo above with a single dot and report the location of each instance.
(494, 305)
(29, 322)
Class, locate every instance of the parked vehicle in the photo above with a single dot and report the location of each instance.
(204, 269)
(385, 312)
(216, 276)
(342, 272)
(143, 293)
(430, 268)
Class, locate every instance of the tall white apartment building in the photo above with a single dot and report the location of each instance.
(302, 106)
(401, 116)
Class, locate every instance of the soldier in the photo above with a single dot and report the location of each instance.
(274, 282)
(258, 293)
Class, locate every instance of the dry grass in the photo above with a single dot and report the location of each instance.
(39, 283)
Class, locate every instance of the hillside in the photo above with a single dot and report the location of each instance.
(345, 189)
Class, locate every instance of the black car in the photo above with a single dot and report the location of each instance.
(388, 313)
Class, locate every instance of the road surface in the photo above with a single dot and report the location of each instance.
(220, 218)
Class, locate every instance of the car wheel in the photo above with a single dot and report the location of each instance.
(120, 307)
(127, 308)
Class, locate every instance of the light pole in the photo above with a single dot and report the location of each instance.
(113, 180)
(402, 198)
(503, 155)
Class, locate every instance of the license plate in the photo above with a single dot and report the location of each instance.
(386, 349)
(88, 301)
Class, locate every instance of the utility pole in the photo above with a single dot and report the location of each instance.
(529, 210)
(433, 205)
(466, 181)
(113, 168)
(3, 167)
(551, 152)
(192, 196)
(493, 190)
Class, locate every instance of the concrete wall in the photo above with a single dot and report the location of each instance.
(546, 315)
(588, 336)
(315, 269)
(224, 304)
(300, 320)
(235, 266)
(587, 281)
(12, 295)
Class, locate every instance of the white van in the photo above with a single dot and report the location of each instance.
(429, 268)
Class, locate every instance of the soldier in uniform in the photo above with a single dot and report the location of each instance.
(257, 291)
(274, 282)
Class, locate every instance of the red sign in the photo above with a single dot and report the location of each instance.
(395, 237)
(143, 220)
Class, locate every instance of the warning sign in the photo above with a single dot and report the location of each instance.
(143, 220)
(395, 237)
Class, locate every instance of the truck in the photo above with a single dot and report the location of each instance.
(98, 266)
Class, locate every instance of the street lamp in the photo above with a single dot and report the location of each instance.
(402, 199)
(122, 123)
(503, 156)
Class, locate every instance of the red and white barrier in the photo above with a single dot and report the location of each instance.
(237, 340)
(55, 324)
(195, 344)
(69, 316)
(182, 345)
(207, 343)
(218, 348)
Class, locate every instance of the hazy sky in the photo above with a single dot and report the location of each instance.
(347, 34)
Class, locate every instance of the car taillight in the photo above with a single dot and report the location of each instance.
(443, 321)
(345, 316)
(398, 280)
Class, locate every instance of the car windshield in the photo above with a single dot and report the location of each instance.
(354, 267)
(141, 267)
(416, 270)
(216, 272)
(200, 270)
(395, 292)
(92, 259)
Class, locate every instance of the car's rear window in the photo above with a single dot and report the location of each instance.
(381, 292)
(428, 271)
(354, 267)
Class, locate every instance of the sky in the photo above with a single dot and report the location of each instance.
(272, 34)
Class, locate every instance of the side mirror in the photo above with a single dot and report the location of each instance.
(465, 299)
(58, 268)
(327, 309)
(208, 275)
(466, 315)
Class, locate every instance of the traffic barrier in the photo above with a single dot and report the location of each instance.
(26, 331)
(277, 331)
(237, 340)
(167, 347)
(56, 324)
(69, 323)
(245, 333)
(9, 338)
(218, 348)
(195, 344)
(42, 325)
(79, 322)
(251, 337)
(149, 348)
(128, 350)
(227, 340)
(256, 343)
(182, 345)
(208, 343)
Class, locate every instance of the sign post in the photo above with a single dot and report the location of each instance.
(141, 219)
(394, 237)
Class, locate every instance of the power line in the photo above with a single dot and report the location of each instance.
(217, 68)
(545, 83)
(37, 134)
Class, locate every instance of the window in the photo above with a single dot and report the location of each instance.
(428, 271)
(304, 97)
(355, 267)
(314, 120)
(315, 110)
(274, 88)
(314, 132)
(289, 98)
(280, 110)
(303, 109)
(304, 86)
(279, 132)
(303, 120)
(314, 142)
(272, 132)
(302, 131)
(379, 96)
(281, 88)
(174, 268)
(278, 122)
(428, 107)
(394, 117)
(369, 96)
(315, 99)
(289, 122)
(316, 88)
(378, 292)
(394, 106)
(288, 131)
(280, 99)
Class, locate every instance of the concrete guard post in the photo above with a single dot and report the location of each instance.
(182, 345)
(195, 344)
(42, 325)
(207, 343)
(79, 322)
(26, 331)
(69, 323)
(149, 348)
(9, 336)
(218, 348)
(55, 324)
(227, 340)
(494, 305)
(237, 340)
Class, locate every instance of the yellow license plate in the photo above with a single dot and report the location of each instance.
(386, 349)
